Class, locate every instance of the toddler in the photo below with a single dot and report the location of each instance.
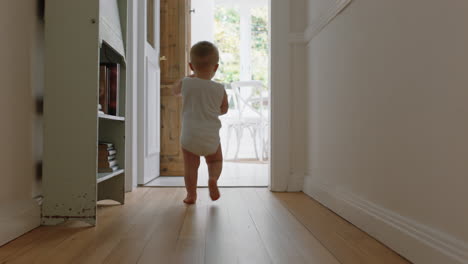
(203, 102)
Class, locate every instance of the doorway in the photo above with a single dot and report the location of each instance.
(240, 29)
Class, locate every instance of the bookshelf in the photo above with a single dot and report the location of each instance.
(80, 36)
(107, 175)
(111, 117)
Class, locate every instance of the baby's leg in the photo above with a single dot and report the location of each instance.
(191, 164)
(215, 166)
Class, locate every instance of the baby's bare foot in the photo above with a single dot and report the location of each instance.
(214, 191)
(190, 199)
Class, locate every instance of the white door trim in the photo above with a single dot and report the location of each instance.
(131, 103)
(280, 163)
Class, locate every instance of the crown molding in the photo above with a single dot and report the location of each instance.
(321, 22)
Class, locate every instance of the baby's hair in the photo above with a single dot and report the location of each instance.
(204, 54)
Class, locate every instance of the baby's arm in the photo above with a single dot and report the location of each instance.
(177, 87)
(224, 104)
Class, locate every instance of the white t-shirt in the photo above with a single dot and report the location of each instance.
(201, 109)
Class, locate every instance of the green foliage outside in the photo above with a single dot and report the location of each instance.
(227, 38)
(259, 50)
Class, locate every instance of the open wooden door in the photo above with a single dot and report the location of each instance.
(175, 45)
(149, 90)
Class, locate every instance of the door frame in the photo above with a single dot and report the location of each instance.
(136, 139)
(280, 76)
(280, 170)
(131, 132)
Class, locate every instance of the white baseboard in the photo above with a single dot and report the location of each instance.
(18, 218)
(295, 182)
(418, 243)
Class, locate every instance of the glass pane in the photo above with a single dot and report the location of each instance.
(227, 39)
(150, 22)
(259, 44)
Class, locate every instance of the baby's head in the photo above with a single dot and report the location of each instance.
(204, 58)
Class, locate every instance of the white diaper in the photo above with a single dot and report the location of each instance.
(201, 109)
(199, 139)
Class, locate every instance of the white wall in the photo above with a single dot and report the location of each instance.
(202, 27)
(20, 76)
(37, 47)
(387, 125)
(297, 89)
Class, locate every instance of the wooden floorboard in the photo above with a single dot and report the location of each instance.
(162, 245)
(132, 244)
(308, 245)
(220, 237)
(275, 238)
(345, 241)
(244, 226)
(248, 244)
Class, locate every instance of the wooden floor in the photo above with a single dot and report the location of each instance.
(244, 226)
(235, 174)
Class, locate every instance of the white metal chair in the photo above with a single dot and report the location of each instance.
(250, 112)
(231, 120)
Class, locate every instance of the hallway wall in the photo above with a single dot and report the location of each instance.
(21, 80)
(298, 101)
(387, 126)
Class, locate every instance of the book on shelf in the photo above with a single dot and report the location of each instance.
(107, 161)
(106, 153)
(114, 76)
(106, 145)
(107, 164)
(106, 156)
(100, 109)
(105, 150)
(110, 81)
(103, 89)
